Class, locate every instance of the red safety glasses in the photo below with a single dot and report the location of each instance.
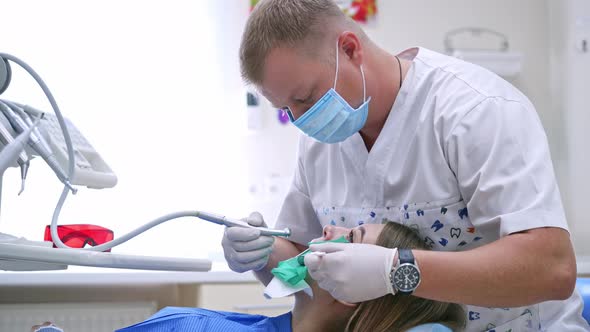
(79, 235)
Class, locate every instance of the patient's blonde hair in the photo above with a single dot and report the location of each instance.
(303, 25)
(402, 312)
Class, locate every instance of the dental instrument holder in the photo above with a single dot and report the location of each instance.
(13, 148)
(36, 141)
(19, 254)
(6, 138)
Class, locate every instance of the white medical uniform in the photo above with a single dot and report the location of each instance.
(462, 158)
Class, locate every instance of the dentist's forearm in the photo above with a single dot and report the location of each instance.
(281, 249)
(517, 270)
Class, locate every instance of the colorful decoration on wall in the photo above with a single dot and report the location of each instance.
(359, 10)
(253, 3)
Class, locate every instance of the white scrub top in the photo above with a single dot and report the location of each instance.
(462, 158)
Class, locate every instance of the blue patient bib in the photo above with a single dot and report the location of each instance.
(430, 328)
(176, 319)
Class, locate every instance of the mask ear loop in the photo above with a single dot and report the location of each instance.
(362, 75)
(336, 76)
(364, 86)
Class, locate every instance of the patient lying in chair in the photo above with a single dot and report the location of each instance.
(321, 312)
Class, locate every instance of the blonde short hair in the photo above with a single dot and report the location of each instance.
(301, 24)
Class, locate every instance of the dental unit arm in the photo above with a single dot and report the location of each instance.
(25, 132)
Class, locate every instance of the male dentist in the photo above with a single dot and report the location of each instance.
(417, 138)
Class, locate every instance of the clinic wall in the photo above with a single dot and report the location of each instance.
(570, 64)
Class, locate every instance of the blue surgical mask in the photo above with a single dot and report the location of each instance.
(331, 119)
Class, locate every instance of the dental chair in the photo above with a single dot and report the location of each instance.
(583, 286)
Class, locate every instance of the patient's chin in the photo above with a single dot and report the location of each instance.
(319, 294)
(323, 297)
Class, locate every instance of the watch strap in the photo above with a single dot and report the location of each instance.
(405, 256)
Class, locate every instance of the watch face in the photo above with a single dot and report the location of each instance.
(406, 277)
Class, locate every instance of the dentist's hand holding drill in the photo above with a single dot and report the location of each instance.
(246, 249)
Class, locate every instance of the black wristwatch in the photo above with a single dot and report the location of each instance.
(405, 275)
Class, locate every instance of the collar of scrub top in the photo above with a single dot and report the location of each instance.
(48, 328)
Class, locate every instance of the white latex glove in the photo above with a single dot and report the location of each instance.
(244, 248)
(352, 272)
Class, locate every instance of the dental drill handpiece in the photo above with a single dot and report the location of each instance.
(223, 220)
(22, 160)
(25, 116)
(35, 142)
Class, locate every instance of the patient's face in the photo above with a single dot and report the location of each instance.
(367, 233)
